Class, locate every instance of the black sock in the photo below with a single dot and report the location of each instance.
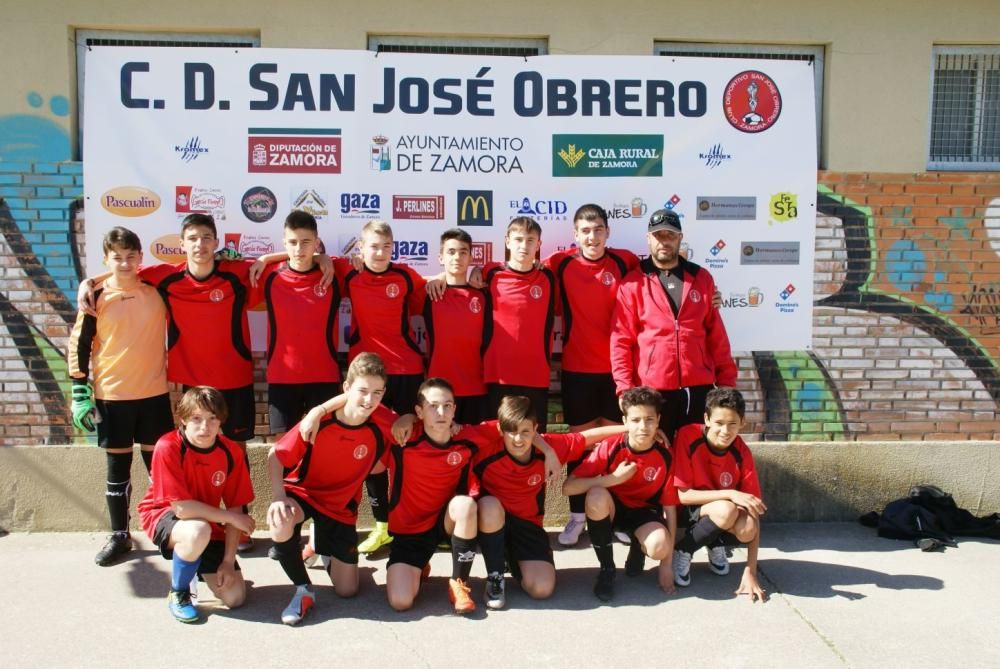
(377, 486)
(147, 459)
(491, 544)
(577, 503)
(119, 489)
(290, 557)
(463, 552)
(702, 533)
(600, 537)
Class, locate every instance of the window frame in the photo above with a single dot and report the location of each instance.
(970, 165)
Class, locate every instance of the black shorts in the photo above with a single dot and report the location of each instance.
(689, 515)
(416, 549)
(524, 540)
(211, 558)
(127, 422)
(539, 400)
(473, 409)
(587, 397)
(287, 403)
(239, 426)
(401, 392)
(682, 407)
(333, 537)
(628, 519)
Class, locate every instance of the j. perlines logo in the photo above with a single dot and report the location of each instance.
(130, 201)
(475, 207)
(421, 207)
(294, 150)
(607, 155)
(482, 253)
(191, 149)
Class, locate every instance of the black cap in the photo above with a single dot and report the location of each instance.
(664, 219)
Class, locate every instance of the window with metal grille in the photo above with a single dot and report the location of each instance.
(811, 54)
(466, 46)
(965, 109)
(88, 38)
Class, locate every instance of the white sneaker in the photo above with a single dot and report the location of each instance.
(495, 597)
(574, 528)
(718, 561)
(682, 568)
(297, 609)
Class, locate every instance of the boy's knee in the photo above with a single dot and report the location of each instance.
(234, 597)
(724, 513)
(400, 603)
(462, 507)
(597, 502)
(346, 590)
(538, 589)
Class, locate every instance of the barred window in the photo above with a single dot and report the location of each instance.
(810, 54)
(965, 109)
(467, 46)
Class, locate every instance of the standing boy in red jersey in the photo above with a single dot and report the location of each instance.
(518, 329)
(455, 330)
(322, 480)
(717, 481)
(194, 470)
(627, 480)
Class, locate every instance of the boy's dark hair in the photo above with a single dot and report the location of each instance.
(514, 409)
(366, 364)
(456, 233)
(527, 224)
(121, 237)
(203, 220)
(590, 212)
(726, 398)
(301, 220)
(430, 384)
(205, 398)
(641, 396)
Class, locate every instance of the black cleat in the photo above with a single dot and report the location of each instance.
(604, 588)
(118, 544)
(636, 560)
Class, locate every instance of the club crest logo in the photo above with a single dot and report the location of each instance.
(454, 459)
(649, 473)
(392, 290)
(534, 480)
(218, 478)
(360, 452)
(475, 305)
(216, 295)
(726, 480)
(536, 292)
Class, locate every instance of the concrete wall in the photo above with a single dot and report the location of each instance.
(60, 488)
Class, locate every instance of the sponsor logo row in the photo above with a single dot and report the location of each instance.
(755, 298)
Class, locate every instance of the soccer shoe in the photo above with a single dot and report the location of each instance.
(378, 537)
(571, 533)
(495, 597)
(272, 553)
(682, 568)
(636, 560)
(718, 561)
(302, 601)
(604, 588)
(309, 556)
(458, 594)
(181, 608)
(118, 544)
(246, 544)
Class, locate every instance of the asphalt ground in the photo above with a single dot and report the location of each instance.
(839, 596)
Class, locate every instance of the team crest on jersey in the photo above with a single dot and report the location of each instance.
(454, 459)
(534, 480)
(319, 290)
(360, 452)
(475, 305)
(649, 473)
(216, 295)
(726, 480)
(607, 278)
(694, 295)
(392, 290)
(536, 292)
(218, 478)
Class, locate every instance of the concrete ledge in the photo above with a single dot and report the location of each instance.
(60, 488)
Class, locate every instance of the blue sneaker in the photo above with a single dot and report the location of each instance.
(181, 608)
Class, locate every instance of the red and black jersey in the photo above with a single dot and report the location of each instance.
(588, 290)
(329, 473)
(182, 471)
(520, 487)
(651, 485)
(302, 323)
(517, 333)
(455, 338)
(701, 466)
(208, 335)
(381, 306)
(424, 476)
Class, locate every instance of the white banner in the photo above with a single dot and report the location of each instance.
(428, 142)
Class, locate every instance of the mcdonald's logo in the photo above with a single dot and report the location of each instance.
(475, 207)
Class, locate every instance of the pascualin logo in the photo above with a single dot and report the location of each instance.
(130, 201)
(168, 249)
(607, 155)
(294, 150)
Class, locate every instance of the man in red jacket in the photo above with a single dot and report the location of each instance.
(665, 332)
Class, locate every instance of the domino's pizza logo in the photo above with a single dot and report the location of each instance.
(454, 459)
(534, 480)
(360, 452)
(392, 290)
(726, 480)
(218, 478)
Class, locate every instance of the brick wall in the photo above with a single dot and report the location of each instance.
(906, 331)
